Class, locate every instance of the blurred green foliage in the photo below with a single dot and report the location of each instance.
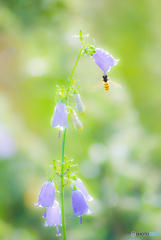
(119, 149)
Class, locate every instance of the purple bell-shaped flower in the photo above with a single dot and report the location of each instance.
(53, 216)
(81, 187)
(104, 60)
(46, 195)
(59, 118)
(79, 203)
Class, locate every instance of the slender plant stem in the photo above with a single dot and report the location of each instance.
(62, 189)
(62, 165)
(73, 72)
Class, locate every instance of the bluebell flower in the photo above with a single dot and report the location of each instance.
(59, 118)
(81, 187)
(53, 216)
(79, 203)
(104, 60)
(46, 195)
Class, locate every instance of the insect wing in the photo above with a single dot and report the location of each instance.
(115, 84)
(97, 86)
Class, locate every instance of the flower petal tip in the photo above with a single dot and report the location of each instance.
(90, 198)
(37, 205)
(58, 235)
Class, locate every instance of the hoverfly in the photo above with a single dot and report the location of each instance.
(106, 82)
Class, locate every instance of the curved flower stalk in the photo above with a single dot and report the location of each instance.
(81, 187)
(46, 195)
(59, 118)
(80, 106)
(104, 60)
(53, 216)
(79, 203)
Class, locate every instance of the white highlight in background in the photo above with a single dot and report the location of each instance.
(36, 67)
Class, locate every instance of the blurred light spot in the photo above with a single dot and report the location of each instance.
(31, 194)
(118, 152)
(35, 146)
(9, 66)
(111, 198)
(7, 145)
(146, 216)
(133, 171)
(149, 197)
(9, 237)
(132, 115)
(36, 67)
(22, 234)
(89, 169)
(29, 198)
(157, 221)
(129, 203)
(96, 206)
(118, 97)
(98, 153)
(158, 200)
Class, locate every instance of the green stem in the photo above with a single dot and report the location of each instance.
(62, 165)
(73, 72)
(62, 189)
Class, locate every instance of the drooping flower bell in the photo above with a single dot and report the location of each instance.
(104, 60)
(79, 203)
(46, 195)
(53, 216)
(59, 118)
(81, 187)
(77, 123)
(80, 106)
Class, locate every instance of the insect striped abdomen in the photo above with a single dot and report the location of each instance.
(106, 86)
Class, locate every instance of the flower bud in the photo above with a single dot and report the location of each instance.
(54, 164)
(80, 106)
(77, 123)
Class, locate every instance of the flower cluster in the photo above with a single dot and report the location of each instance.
(59, 118)
(52, 212)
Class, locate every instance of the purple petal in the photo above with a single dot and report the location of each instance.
(53, 215)
(79, 203)
(59, 118)
(104, 60)
(44, 216)
(7, 144)
(58, 233)
(47, 195)
(81, 187)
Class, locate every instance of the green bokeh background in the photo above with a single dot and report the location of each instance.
(118, 151)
